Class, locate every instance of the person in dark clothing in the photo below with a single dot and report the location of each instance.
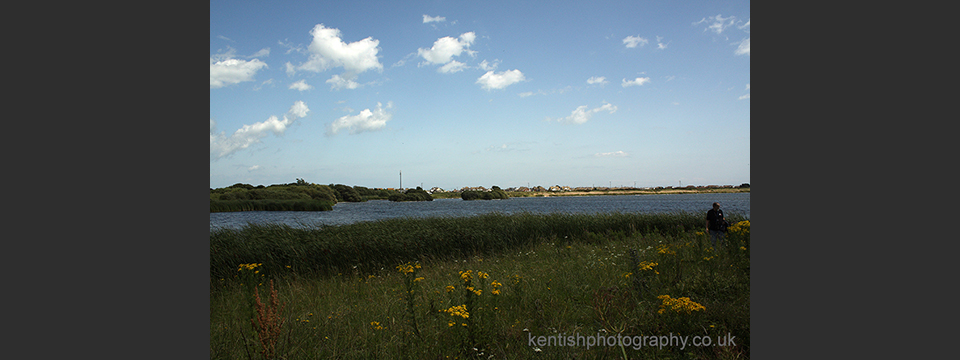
(716, 225)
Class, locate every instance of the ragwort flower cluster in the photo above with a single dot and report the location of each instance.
(683, 304)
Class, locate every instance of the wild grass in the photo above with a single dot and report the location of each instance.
(270, 205)
(481, 287)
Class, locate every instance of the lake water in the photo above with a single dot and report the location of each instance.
(346, 212)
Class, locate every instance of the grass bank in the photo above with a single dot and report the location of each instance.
(270, 205)
(480, 287)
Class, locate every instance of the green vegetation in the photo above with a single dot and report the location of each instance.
(417, 194)
(495, 193)
(298, 196)
(270, 205)
(478, 287)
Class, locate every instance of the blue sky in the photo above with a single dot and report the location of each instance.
(456, 93)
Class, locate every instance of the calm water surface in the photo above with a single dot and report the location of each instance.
(346, 213)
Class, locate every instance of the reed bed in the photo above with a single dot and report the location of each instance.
(369, 246)
(270, 205)
(479, 287)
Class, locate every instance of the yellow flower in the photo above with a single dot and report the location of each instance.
(450, 288)
(741, 228)
(665, 249)
(459, 310)
(683, 304)
(466, 276)
(482, 275)
(408, 268)
(646, 265)
(418, 279)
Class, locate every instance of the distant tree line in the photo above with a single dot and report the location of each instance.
(494, 193)
(301, 196)
(417, 194)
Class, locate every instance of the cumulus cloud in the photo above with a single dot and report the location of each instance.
(366, 120)
(445, 48)
(581, 114)
(743, 48)
(430, 19)
(300, 85)
(633, 41)
(597, 80)
(635, 82)
(338, 82)
(500, 80)
(612, 154)
(452, 67)
(222, 145)
(328, 51)
(233, 71)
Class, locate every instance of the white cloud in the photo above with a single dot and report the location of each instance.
(253, 168)
(743, 48)
(429, 19)
(452, 67)
(445, 48)
(581, 114)
(745, 27)
(233, 71)
(298, 110)
(717, 23)
(221, 145)
(262, 53)
(338, 82)
(487, 66)
(635, 82)
(328, 51)
(300, 85)
(597, 80)
(366, 120)
(612, 154)
(660, 44)
(500, 80)
(744, 97)
(265, 83)
(633, 41)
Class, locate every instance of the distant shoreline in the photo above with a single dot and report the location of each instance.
(603, 192)
(629, 192)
